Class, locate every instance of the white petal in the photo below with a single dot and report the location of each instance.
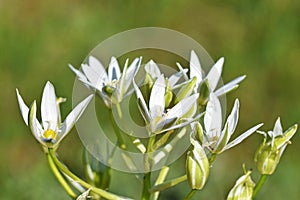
(242, 137)
(73, 117)
(174, 78)
(230, 86)
(96, 65)
(152, 69)
(34, 125)
(233, 118)
(144, 111)
(214, 74)
(195, 67)
(213, 115)
(23, 108)
(114, 72)
(131, 72)
(93, 77)
(277, 131)
(186, 78)
(157, 98)
(182, 107)
(78, 73)
(49, 110)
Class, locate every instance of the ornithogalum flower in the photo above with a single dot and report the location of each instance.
(269, 153)
(51, 131)
(111, 86)
(153, 70)
(212, 136)
(159, 119)
(213, 76)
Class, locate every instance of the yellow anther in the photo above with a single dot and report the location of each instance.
(49, 134)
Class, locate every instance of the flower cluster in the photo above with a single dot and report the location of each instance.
(170, 106)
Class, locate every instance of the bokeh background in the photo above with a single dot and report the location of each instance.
(257, 38)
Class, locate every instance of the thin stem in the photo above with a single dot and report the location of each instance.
(168, 184)
(260, 183)
(190, 194)
(60, 178)
(146, 186)
(120, 140)
(160, 179)
(98, 191)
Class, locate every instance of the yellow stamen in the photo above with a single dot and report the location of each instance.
(49, 134)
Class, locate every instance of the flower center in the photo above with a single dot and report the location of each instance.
(49, 134)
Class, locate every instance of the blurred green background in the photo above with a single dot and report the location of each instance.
(257, 38)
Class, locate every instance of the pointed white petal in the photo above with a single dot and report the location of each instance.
(186, 78)
(233, 118)
(49, 110)
(213, 115)
(114, 72)
(23, 108)
(195, 67)
(157, 98)
(242, 137)
(72, 117)
(229, 86)
(214, 74)
(96, 65)
(93, 77)
(277, 131)
(131, 72)
(34, 125)
(78, 73)
(174, 78)
(152, 69)
(182, 107)
(142, 106)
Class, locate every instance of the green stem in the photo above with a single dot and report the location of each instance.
(260, 183)
(98, 191)
(60, 178)
(168, 184)
(190, 194)
(120, 140)
(146, 186)
(212, 158)
(160, 179)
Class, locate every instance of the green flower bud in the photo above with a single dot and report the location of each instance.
(269, 153)
(243, 188)
(267, 158)
(197, 166)
(204, 93)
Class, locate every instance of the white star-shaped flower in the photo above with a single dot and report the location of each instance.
(157, 117)
(51, 131)
(111, 86)
(213, 76)
(212, 136)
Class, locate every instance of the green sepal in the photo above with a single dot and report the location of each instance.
(223, 140)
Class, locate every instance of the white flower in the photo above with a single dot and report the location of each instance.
(84, 195)
(213, 136)
(111, 86)
(153, 70)
(51, 131)
(157, 117)
(213, 75)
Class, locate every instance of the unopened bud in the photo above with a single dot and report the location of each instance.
(243, 188)
(197, 166)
